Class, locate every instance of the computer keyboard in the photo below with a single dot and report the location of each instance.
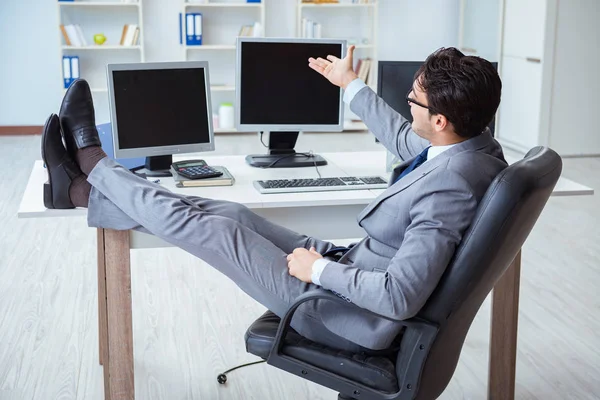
(320, 184)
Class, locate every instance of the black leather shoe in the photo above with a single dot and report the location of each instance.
(61, 167)
(77, 118)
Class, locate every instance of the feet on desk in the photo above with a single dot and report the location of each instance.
(67, 186)
(78, 122)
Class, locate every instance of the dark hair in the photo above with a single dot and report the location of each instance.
(465, 89)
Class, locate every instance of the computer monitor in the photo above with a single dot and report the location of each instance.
(276, 91)
(395, 78)
(160, 109)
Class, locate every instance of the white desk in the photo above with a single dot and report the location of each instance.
(320, 214)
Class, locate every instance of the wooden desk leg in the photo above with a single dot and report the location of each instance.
(503, 336)
(118, 359)
(102, 333)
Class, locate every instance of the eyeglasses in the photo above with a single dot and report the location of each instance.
(411, 100)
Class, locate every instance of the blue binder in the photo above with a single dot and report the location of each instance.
(189, 29)
(198, 29)
(70, 70)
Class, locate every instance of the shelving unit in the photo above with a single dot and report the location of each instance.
(346, 20)
(221, 23)
(108, 18)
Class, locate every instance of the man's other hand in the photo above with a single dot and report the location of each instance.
(300, 263)
(339, 72)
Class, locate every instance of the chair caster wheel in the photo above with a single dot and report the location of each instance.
(222, 379)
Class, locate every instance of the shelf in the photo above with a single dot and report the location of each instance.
(101, 47)
(226, 130)
(222, 88)
(97, 4)
(225, 5)
(211, 47)
(334, 5)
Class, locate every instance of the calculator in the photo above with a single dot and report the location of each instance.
(195, 169)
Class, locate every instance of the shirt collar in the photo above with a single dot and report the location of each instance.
(435, 151)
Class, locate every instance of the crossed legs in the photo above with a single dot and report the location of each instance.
(240, 244)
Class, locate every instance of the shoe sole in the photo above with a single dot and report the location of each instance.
(48, 203)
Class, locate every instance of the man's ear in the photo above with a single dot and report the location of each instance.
(440, 122)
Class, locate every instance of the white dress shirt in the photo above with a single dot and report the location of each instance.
(351, 90)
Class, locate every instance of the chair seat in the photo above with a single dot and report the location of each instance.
(375, 372)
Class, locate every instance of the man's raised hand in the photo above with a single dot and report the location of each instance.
(337, 71)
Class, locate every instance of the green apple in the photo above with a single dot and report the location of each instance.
(99, 38)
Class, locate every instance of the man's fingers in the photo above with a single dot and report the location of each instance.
(332, 58)
(350, 51)
(321, 62)
(317, 68)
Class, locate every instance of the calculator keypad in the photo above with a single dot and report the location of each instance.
(198, 172)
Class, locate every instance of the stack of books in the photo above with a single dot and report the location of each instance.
(224, 180)
(251, 30)
(363, 67)
(73, 35)
(310, 29)
(130, 35)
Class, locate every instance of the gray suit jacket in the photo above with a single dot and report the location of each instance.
(413, 227)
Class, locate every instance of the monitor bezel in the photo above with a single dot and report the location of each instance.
(159, 150)
(283, 127)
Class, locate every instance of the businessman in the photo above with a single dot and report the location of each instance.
(413, 228)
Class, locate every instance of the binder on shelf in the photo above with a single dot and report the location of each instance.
(198, 28)
(70, 70)
(193, 29)
(189, 29)
(75, 67)
(67, 80)
(180, 28)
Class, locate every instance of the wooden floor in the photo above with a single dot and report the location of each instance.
(189, 321)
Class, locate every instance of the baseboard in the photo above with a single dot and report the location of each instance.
(21, 130)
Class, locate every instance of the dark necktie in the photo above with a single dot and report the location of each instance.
(420, 159)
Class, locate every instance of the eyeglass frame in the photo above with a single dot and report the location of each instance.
(415, 102)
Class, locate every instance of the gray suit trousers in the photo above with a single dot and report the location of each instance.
(245, 247)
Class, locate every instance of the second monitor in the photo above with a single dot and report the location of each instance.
(276, 91)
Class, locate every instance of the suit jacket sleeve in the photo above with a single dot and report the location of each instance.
(440, 215)
(391, 128)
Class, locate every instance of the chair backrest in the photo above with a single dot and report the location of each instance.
(506, 216)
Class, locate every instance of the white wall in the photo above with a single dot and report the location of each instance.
(31, 88)
(576, 83)
(410, 30)
(30, 64)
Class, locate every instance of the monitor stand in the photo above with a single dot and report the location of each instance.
(282, 153)
(156, 166)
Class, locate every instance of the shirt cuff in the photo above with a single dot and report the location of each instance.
(353, 87)
(317, 269)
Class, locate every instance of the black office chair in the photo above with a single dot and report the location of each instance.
(431, 341)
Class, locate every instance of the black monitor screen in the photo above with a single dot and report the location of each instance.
(161, 107)
(277, 87)
(396, 79)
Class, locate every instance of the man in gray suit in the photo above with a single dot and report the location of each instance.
(413, 228)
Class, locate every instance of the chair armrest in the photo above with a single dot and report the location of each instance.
(322, 294)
